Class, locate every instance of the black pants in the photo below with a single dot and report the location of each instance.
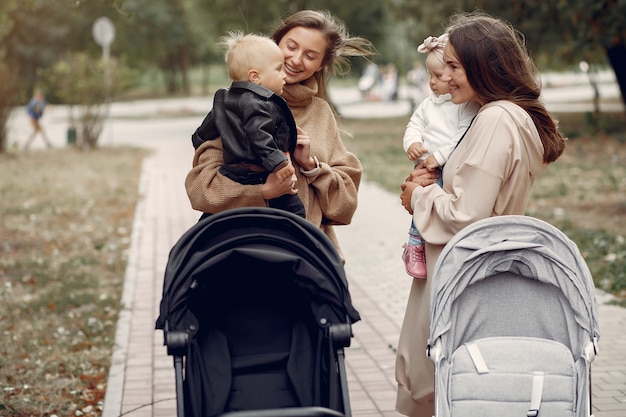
(290, 203)
(287, 202)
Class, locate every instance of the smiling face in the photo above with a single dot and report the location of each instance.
(304, 51)
(454, 74)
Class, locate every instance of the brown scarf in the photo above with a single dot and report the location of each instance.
(300, 95)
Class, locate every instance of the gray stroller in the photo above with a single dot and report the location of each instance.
(513, 322)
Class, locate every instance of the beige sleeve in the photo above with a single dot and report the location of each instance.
(211, 192)
(333, 193)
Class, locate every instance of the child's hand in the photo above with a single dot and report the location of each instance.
(285, 173)
(273, 187)
(431, 163)
(416, 151)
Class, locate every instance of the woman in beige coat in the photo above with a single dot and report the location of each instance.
(327, 175)
(509, 143)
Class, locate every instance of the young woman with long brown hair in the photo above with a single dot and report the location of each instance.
(490, 173)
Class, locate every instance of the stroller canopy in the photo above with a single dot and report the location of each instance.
(247, 240)
(515, 247)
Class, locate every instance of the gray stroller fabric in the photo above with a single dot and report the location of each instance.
(513, 321)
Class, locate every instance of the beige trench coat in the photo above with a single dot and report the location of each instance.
(489, 174)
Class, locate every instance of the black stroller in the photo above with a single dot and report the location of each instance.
(256, 310)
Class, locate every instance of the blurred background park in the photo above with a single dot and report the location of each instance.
(168, 48)
(66, 216)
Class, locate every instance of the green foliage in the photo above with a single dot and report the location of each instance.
(559, 33)
(6, 8)
(87, 85)
(173, 36)
(556, 30)
(378, 144)
(36, 35)
(604, 253)
(7, 91)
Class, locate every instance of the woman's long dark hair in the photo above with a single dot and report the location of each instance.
(499, 67)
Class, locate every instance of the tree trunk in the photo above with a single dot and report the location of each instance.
(8, 93)
(617, 57)
(183, 60)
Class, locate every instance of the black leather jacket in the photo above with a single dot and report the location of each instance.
(255, 124)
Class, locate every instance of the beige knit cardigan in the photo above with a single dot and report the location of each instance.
(330, 198)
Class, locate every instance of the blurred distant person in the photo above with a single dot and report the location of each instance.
(416, 78)
(389, 83)
(35, 109)
(369, 80)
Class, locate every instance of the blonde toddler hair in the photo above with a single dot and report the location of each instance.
(245, 52)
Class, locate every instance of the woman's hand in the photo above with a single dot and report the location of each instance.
(420, 176)
(405, 195)
(302, 153)
(274, 187)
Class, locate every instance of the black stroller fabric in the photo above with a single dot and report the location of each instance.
(258, 291)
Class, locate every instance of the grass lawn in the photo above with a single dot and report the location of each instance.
(65, 222)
